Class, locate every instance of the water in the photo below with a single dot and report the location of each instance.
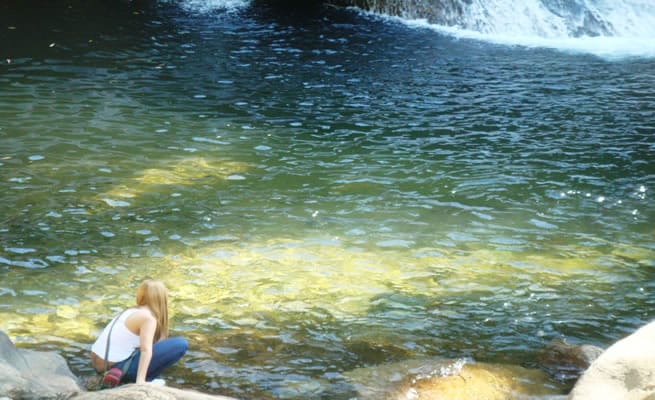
(322, 191)
(612, 29)
(542, 18)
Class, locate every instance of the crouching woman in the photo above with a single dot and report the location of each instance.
(134, 346)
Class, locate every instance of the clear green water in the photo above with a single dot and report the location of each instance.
(321, 193)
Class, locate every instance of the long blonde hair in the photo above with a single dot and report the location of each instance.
(154, 295)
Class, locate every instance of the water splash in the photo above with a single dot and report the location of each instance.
(207, 6)
(453, 368)
(562, 19)
(542, 18)
(607, 28)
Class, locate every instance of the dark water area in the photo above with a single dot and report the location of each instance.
(321, 190)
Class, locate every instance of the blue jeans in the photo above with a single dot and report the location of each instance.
(164, 354)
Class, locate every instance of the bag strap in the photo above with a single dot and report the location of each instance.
(109, 338)
(128, 362)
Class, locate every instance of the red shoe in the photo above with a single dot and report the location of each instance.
(112, 378)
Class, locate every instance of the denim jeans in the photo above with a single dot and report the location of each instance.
(164, 354)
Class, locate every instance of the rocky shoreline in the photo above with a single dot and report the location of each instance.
(33, 375)
(626, 370)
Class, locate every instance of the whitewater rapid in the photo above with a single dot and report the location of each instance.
(208, 6)
(609, 48)
(622, 28)
(611, 29)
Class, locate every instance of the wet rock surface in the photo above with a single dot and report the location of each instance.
(566, 361)
(453, 380)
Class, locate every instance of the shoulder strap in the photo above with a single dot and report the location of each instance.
(109, 336)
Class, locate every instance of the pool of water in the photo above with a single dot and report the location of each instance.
(321, 190)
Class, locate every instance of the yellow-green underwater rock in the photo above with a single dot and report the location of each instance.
(485, 381)
(184, 172)
(451, 380)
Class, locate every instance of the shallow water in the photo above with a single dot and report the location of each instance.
(322, 192)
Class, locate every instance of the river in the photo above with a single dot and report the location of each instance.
(321, 190)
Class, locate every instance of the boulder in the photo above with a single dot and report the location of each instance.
(487, 381)
(27, 374)
(31, 375)
(452, 380)
(147, 392)
(625, 371)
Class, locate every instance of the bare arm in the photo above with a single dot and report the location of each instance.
(146, 335)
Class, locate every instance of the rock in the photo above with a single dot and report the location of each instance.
(440, 379)
(27, 374)
(626, 370)
(567, 361)
(486, 381)
(147, 392)
(12, 384)
(378, 382)
(9, 353)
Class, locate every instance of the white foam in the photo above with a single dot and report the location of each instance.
(621, 18)
(207, 6)
(530, 24)
(630, 18)
(610, 48)
(514, 18)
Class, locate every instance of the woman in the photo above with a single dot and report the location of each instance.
(141, 332)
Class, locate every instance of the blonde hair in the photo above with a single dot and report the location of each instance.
(154, 295)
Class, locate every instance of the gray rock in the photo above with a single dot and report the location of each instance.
(147, 392)
(9, 353)
(27, 374)
(32, 375)
(626, 370)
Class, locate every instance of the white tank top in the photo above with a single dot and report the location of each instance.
(123, 342)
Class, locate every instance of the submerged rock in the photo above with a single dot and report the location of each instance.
(452, 380)
(568, 361)
(487, 381)
(626, 370)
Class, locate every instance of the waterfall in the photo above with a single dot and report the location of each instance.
(612, 29)
(535, 18)
(206, 6)
(608, 28)
(539, 18)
